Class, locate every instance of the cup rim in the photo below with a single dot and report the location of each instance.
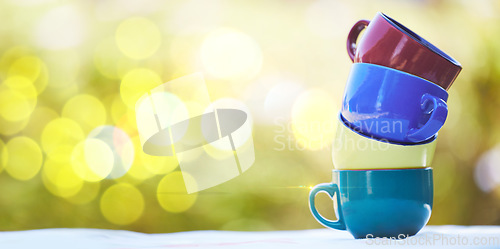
(426, 81)
(419, 39)
(350, 127)
(383, 170)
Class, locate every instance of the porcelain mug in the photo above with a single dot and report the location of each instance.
(353, 150)
(388, 43)
(378, 203)
(390, 104)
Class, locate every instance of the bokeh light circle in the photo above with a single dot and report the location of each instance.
(314, 115)
(136, 83)
(33, 69)
(61, 131)
(230, 54)
(18, 98)
(120, 151)
(122, 204)
(85, 109)
(92, 160)
(172, 194)
(60, 179)
(487, 171)
(138, 38)
(61, 153)
(27, 66)
(24, 158)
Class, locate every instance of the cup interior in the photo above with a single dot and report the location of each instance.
(419, 39)
(356, 130)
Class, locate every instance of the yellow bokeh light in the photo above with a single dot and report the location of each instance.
(22, 85)
(138, 38)
(61, 131)
(92, 160)
(21, 61)
(27, 66)
(60, 179)
(24, 158)
(85, 109)
(11, 55)
(13, 105)
(122, 204)
(313, 119)
(61, 153)
(17, 98)
(230, 54)
(33, 69)
(172, 194)
(120, 148)
(136, 83)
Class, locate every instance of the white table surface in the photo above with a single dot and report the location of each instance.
(429, 237)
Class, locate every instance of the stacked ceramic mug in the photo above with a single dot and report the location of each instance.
(393, 107)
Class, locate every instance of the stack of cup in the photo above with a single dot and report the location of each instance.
(393, 107)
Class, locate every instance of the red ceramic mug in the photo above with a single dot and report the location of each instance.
(388, 43)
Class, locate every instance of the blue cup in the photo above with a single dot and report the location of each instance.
(378, 203)
(390, 104)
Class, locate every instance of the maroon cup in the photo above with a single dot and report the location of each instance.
(388, 43)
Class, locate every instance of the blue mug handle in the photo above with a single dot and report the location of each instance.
(435, 122)
(331, 189)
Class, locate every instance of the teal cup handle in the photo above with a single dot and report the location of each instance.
(331, 189)
(439, 112)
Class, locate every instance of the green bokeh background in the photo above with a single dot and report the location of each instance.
(295, 38)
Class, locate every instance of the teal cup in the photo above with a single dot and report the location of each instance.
(393, 203)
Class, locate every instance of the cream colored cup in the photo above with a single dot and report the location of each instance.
(352, 150)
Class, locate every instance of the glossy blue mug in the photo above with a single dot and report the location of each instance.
(378, 203)
(390, 104)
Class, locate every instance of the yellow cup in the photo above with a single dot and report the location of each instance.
(352, 150)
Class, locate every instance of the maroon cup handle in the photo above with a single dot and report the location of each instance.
(353, 37)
